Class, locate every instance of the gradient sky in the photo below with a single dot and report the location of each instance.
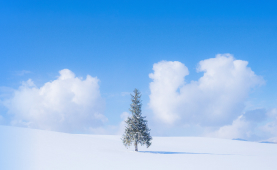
(119, 41)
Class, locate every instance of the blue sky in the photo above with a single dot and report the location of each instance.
(118, 42)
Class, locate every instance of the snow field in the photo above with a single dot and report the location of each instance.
(30, 149)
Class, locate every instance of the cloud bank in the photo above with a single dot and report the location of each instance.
(215, 100)
(67, 104)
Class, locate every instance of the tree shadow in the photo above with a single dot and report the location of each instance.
(167, 152)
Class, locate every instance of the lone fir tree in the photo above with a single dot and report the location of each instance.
(136, 130)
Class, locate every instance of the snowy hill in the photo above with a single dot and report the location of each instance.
(45, 150)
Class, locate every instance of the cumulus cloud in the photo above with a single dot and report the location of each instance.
(216, 99)
(67, 104)
(246, 126)
(271, 126)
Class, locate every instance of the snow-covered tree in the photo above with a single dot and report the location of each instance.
(136, 131)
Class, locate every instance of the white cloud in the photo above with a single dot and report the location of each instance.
(245, 126)
(68, 104)
(216, 99)
(168, 76)
(239, 129)
(22, 72)
(112, 129)
(122, 124)
(5, 92)
(271, 126)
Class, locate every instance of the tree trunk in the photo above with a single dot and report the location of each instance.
(136, 146)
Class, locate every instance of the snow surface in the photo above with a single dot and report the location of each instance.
(30, 149)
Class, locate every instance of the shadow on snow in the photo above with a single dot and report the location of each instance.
(166, 152)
